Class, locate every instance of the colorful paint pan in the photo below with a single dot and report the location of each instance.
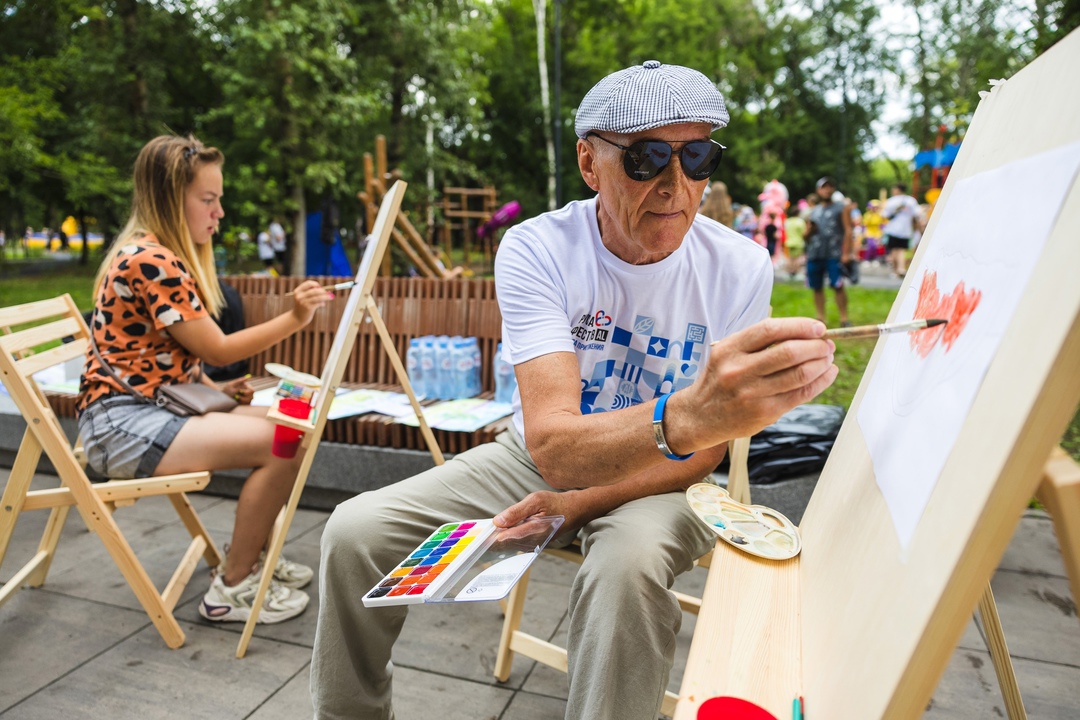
(754, 529)
(431, 565)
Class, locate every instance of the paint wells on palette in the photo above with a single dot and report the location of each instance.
(754, 529)
(431, 565)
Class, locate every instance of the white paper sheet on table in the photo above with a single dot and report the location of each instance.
(989, 237)
(358, 402)
(465, 415)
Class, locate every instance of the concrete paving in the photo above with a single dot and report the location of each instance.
(81, 647)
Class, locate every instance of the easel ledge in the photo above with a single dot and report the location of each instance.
(751, 608)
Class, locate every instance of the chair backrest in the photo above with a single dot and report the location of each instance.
(34, 325)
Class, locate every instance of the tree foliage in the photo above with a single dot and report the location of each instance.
(294, 92)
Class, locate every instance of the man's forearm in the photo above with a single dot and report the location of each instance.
(599, 500)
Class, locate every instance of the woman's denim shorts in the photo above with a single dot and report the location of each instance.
(125, 438)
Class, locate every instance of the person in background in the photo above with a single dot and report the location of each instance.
(902, 211)
(873, 223)
(770, 236)
(624, 399)
(279, 246)
(717, 205)
(266, 253)
(795, 229)
(155, 297)
(746, 222)
(828, 244)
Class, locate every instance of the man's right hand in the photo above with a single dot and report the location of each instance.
(752, 378)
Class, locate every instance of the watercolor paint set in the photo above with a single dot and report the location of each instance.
(293, 383)
(465, 561)
(754, 529)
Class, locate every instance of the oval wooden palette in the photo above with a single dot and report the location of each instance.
(754, 529)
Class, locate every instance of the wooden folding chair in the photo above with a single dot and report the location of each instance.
(514, 641)
(95, 501)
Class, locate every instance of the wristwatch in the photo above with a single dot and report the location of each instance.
(658, 430)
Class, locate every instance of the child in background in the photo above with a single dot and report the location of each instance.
(795, 228)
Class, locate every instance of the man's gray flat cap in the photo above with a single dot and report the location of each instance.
(648, 96)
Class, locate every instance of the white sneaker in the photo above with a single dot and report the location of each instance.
(224, 603)
(290, 574)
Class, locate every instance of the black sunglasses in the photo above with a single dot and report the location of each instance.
(646, 159)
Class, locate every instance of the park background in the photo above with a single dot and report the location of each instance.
(470, 93)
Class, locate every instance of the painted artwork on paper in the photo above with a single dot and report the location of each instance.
(981, 257)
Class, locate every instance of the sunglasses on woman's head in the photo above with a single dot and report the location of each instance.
(646, 159)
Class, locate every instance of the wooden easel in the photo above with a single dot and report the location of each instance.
(360, 303)
(404, 233)
(860, 625)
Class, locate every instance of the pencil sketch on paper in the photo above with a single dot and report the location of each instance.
(973, 273)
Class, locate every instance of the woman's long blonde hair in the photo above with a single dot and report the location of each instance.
(718, 205)
(164, 169)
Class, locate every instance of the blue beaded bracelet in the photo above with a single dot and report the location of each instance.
(658, 430)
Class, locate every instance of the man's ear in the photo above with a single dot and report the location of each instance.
(586, 160)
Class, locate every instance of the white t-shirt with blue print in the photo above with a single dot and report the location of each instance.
(638, 331)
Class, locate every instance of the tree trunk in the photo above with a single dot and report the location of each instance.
(539, 9)
(299, 236)
(84, 254)
(140, 104)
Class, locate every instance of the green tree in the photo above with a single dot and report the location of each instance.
(292, 104)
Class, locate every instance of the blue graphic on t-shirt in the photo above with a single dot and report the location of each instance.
(641, 366)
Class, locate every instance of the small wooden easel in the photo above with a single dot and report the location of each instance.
(360, 303)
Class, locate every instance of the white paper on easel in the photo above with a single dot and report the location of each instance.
(984, 249)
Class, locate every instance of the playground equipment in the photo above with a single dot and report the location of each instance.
(462, 210)
(408, 239)
(940, 159)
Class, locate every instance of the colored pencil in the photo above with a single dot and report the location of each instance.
(863, 331)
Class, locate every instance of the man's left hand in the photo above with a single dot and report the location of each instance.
(565, 503)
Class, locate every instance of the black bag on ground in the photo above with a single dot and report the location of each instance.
(796, 444)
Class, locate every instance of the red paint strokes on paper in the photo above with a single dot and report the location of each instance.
(956, 307)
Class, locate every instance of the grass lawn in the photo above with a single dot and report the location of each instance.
(73, 279)
(866, 307)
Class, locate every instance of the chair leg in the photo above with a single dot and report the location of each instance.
(195, 527)
(515, 605)
(22, 472)
(101, 521)
(49, 540)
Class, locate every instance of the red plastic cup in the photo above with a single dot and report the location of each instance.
(287, 439)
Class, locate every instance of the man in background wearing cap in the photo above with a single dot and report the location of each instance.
(610, 310)
(828, 246)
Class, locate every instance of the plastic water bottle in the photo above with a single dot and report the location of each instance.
(474, 374)
(427, 366)
(461, 356)
(444, 369)
(414, 368)
(505, 380)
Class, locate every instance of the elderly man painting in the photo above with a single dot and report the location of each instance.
(611, 307)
